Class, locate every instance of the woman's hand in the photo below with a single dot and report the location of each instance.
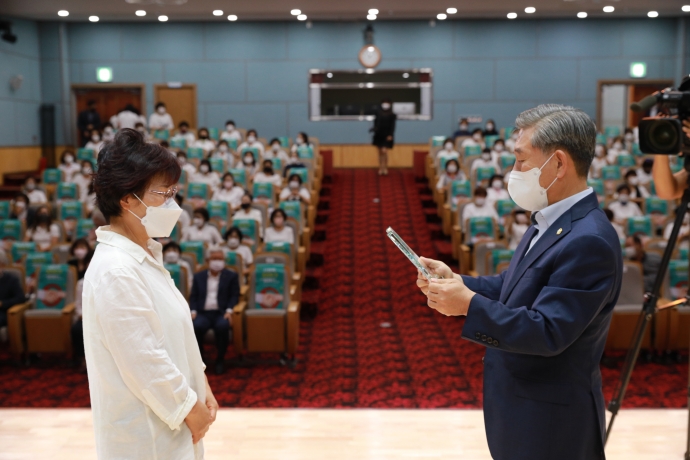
(198, 421)
(211, 402)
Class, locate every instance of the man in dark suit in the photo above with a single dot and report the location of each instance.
(544, 321)
(11, 292)
(215, 292)
(88, 120)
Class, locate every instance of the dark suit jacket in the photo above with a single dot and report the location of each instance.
(228, 290)
(544, 322)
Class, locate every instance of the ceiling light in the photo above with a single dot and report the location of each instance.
(302, 17)
(441, 16)
(232, 17)
(373, 11)
(530, 10)
(512, 15)
(295, 12)
(686, 8)
(406, 75)
(371, 17)
(452, 10)
(162, 18)
(653, 14)
(140, 13)
(329, 75)
(581, 15)
(218, 12)
(93, 18)
(609, 9)
(63, 13)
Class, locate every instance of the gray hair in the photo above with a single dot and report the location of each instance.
(562, 127)
(213, 249)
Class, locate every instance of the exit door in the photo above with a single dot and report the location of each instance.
(179, 100)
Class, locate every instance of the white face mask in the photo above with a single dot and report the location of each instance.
(489, 127)
(171, 257)
(251, 139)
(233, 242)
(448, 146)
(498, 147)
(95, 138)
(634, 180)
(203, 169)
(160, 110)
(497, 184)
(247, 161)
(216, 265)
(20, 205)
(108, 130)
(479, 201)
(623, 199)
(525, 190)
(463, 127)
(629, 137)
(228, 184)
(452, 169)
(198, 222)
(385, 106)
(486, 156)
(294, 185)
(521, 219)
(223, 148)
(230, 128)
(80, 253)
(159, 221)
(599, 150)
(477, 137)
(299, 141)
(69, 159)
(275, 147)
(617, 146)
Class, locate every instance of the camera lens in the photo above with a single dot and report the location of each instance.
(663, 135)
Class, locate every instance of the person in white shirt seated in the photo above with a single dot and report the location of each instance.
(446, 153)
(496, 190)
(35, 194)
(44, 232)
(510, 142)
(452, 173)
(141, 129)
(189, 168)
(490, 128)
(293, 162)
(295, 191)
(160, 119)
(201, 230)
(498, 150)
(128, 118)
(301, 140)
(108, 132)
(95, 143)
(68, 166)
(247, 212)
(252, 142)
(644, 172)
(233, 239)
(206, 175)
(600, 160)
(617, 149)
(185, 219)
(249, 165)
(477, 139)
(215, 292)
(517, 228)
(84, 179)
(171, 256)
(204, 142)
(19, 209)
(231, 132)
(623, 208)
(276, 151)
(267, 174)
(278, 232)
(484, 161)
(184, 133)
(616, 226)
(683, 234)
(478, 208)
(90, 201)
(628, 139)
(223, 152)
(229, 192)
(637, 191)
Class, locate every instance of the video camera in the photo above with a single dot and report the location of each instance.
(664, 136)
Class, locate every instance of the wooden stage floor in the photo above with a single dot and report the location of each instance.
(306, 434)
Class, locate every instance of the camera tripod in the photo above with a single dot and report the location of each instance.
(649, 308)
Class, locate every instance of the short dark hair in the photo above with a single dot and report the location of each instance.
(183, 123)
(623, 187)
(631, 172)
(230, 122)
(232, 230)
(252, 130)
(295, 176)
(276, 212)
(172, 245)
(160, 104)
(64, 154)
(477, 130)
(304, 135)
(275, 139)
(203, 212)
(127, 165)
(206, 162)
(481, 191)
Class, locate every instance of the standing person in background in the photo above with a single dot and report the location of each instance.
(160, 119)
(127, 118)
(87, 120)
(384, 130)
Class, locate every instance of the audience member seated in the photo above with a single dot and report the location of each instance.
(44, 232)
(477, 139)
(185, 219)
(84, 179)
(499, 150)
(141, 129)
(247, 212)
(36, 195)
(68, 166)
(171, 256)
(231, 132)
(206, 175)
(447, 152)
(90, 200)
(127, 118)
(108, 132)
(294, 161)
(599, 161)
(301, 140)
(517, 228)
(478, 207)
(160, 119)
(249, 164)
(223, 152)
(616, 226)
(229, 192)
(268, 175)
(484, 161)
(20, 209)
(452, 173)
(636, 190)
(81, 254)
(189, 168)
(634, 250)
(463, 129)
(252, 142)
(233, 240)
(496, 191)
(490, 128)
(276, 151)
(215, 292)
(204, 142)
(623, 208)
(644, 172)
(617, 149)
(683, 233)
(183, 133)
(201, 230)
(295, 191)
(278, 232)
(11, 292)
(510, 142)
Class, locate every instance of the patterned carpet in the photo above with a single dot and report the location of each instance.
(374, 342)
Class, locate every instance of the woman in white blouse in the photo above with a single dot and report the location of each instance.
(278, 232)
(252, 142)
(204, 142)
(68, 166)
(83, 179)
(206, 175)
(233, 238)
(95, 144)
(268, 175)
(229, 192)
(149, 395)
(43, 232)
(201, 230)
(295, 191)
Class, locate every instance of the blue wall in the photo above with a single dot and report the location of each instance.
(256, 73)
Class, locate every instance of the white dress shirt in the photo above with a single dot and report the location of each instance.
(158, 121)
(144, 366)
(37, 196)
(621, 212)
(234, 134)
(550, 214)
(70, 170)
(127, 119)
(274, 179)
(232, 196)
(212, 291)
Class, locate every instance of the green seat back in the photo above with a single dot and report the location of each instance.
(507, 161)
(282, 247)
(437, 141)
(249, 229)
(83, 227)
(86, 154)
(196, 248)
(655, 205)
(284, 141)
(240, 176)
(197, 190)
(255, 153)
(292, 209)
(195, 153)
(217, 209)
(507, 132)
(213, 133)
(639, 224)
(162, 134)
(481, 227)
(505, 207)
(277, 164)
(636, 150)
(232, 144)
(10, 229)
(66, 191)
(473, 150)
(175, 274)
(231, 258)
(683, 253)
(217, 164)
(612, 131)
(601, 139)
(4, 209)
(70, 210)
(499, 256)
(678, 277)
(52, 176)
(20, 249)
(35, 259)
(52, 286)
(179, 143)
(485, 173)
(597, 185)
(489, 140)
(183, 177)
(611, 173)
(626, 161)
(305, 151)
(269, 287)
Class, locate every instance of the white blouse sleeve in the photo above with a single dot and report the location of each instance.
(133, 333)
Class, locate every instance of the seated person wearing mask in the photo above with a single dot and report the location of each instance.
(623, 208)
(11, 292)
(636, 190)
(201, 230)
(185, 219)
(160, 119)
(35, 194)
(20, 209)
(68, 166)
(294, 161)
(233, 240)
(498, 150)
(84, 179)
(682, 241)
(617, 149)
(477, 139)
(295, 191)
(222, 151)
(189, 168)
(510, 142)
(517, 228)
(463, 129)
(252, 142)
(628, 139)
(452, 173)
(215, 292)
(301, 140)
(141, 129)
(484, 161)
(206, 175)
(276, 151)
(247, 212)
(183, 132)
(490, 128)
(171, 256)
(267, 175)
(95, 143)
(478, 208)
(249, 164)
(43, 232)
(278, 232)
(446, 153)
(616, 226)
(496, 191)
(81, 254)
(644, 172)
(650, 261)
(204, 142)
(599, 161)
(229, 192)
(231, 132)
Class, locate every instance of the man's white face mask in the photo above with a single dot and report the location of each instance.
(525, 190)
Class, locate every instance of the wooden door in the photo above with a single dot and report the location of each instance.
(180, 102)
(109, 100)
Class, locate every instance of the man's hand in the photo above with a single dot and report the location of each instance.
(198, 420)
(228, 317)
(193, 315)
(437, 267)
(449, 296)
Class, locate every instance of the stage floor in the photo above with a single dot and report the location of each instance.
(318, 434)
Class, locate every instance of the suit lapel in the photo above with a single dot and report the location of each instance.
(518, 255)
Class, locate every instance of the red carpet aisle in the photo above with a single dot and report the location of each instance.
(374, 343)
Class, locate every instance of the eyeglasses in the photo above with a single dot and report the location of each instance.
(169, 194)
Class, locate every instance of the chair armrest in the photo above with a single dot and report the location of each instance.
(15, 327)
(69, 309)
(243, 291)
(238, 326)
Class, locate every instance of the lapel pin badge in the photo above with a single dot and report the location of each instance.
(560, 230)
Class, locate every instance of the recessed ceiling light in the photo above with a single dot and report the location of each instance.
(295, 12)
(140, 13)
(441, 16)
(406, 75)
(232, 17)
(373, 11)
(63, 13)
(329, 75)
(302, 17)
(609, 9)
(581, 15)
(93, 18)
(512, 15)
(371, 17)
(653, 14)
(162, 18)
(686, 8)
(530, 10)
(452, 10)
(218, 12)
